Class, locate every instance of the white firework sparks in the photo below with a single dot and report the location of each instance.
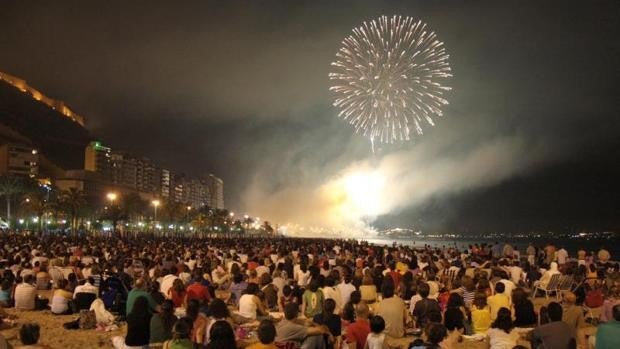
(389, 78)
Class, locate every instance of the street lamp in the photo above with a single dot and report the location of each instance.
(189, 208)
(112, 197)
(155, 204)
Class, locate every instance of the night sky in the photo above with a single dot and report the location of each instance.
(240, 89)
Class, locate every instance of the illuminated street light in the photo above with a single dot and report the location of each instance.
(21, 221)
(111, 197)
(155, 204)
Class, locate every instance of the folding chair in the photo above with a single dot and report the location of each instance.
(552, 286)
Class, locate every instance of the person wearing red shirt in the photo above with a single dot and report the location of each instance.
(359, 330)
(196, 290)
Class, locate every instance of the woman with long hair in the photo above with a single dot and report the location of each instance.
(199, 321)
(250, 306)
(523, 308)
(480, 313)
(312, 300)
(368, 290)
(502, 334)
(162, 322)
(180, 336)
(222, 336)
(218, 311)
(177, 293)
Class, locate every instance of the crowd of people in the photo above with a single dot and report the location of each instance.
(273, 292)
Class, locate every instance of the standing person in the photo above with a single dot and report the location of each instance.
(138, 326)
(392, 310)
(556, 334)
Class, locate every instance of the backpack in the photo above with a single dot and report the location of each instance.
(88, 319)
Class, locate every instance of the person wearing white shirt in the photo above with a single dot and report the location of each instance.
(516, 273)
(25, 294)
(330, 292)
(345, 289)
(166, 283)
(302, 276)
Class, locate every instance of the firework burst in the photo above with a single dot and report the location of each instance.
(389, 78)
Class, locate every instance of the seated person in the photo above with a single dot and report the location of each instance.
(61, 299)
(608, 334)
(266, 335)
(292, 330)
(29, 336)
(556, 333)
(26, 295)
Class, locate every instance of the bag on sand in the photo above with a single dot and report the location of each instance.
(88, 319)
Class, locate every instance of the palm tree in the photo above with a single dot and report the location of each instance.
(72, 200)
(173, 212)
(34, 204)
(9, 186)
(134, 206)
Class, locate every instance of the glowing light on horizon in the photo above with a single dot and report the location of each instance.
(389, 78)
(357, 194)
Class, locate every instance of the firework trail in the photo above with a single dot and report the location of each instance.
(389, 78)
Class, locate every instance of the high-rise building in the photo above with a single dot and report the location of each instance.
(165, 182)
(215, 187)
(18, 160)
(98, 158)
